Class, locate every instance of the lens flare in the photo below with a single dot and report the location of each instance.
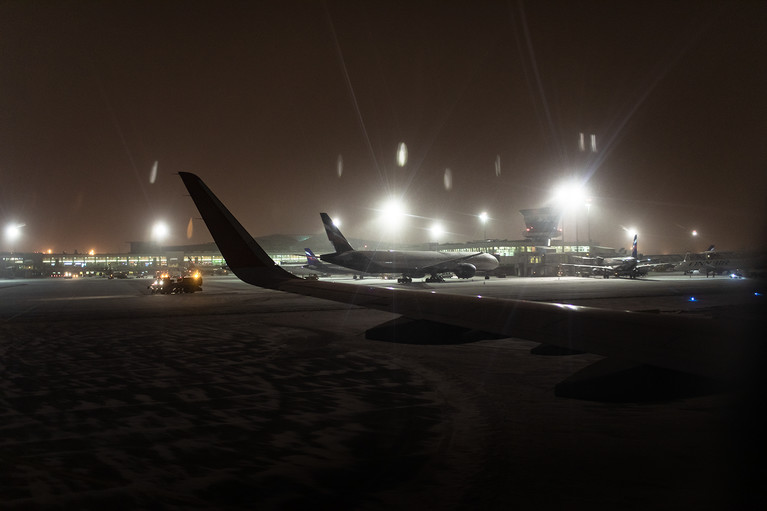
(401, 154)
(448, 179)
(153, 174)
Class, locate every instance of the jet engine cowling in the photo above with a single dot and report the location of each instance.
(465, 271)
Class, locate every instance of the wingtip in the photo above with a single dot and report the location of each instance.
(243, 255)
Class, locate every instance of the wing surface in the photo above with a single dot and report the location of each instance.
(588, 266)
(649, 266)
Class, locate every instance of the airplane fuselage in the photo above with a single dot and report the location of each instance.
(414, 263)
(622, 266)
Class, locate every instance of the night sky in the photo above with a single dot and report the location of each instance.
(263, 100)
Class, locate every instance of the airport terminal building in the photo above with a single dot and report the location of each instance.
(517, 258)
(539, 253)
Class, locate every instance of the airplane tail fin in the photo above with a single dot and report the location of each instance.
(310, 257)
(710, 249)
(634, 248)
(243, 255)
(334, 235)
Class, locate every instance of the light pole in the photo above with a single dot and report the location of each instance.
(588, 219)
(577, 239)
(562, 219)
(483, 218)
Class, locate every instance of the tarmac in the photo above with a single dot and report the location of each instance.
(243, 398)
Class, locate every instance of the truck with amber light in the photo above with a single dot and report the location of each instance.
(165, 284)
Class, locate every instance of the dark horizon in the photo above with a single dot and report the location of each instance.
(264, 101)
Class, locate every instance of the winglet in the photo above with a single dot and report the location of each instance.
(334, 235)
(243, 255)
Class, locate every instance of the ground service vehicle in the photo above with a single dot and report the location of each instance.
(172, 285)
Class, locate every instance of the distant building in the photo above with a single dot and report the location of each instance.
(526, 258)
(540, 253)
(21, 265)
(541, 225)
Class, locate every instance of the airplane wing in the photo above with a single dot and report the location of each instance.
(691, 345)
(645, 267)
(593, 267)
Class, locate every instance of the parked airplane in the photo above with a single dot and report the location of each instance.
(717, 263)
(697, 346)
(315, 263)
(410, 263)
(630, 266)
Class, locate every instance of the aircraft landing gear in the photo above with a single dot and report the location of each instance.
(404, 280)
(435, 278)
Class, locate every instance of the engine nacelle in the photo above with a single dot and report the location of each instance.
(465, 271)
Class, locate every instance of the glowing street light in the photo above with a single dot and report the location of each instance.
(13, 233)
(436, 231)
(569, 195)
(631, 232)
(393, 214)
(160, 231)
(694, 232)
